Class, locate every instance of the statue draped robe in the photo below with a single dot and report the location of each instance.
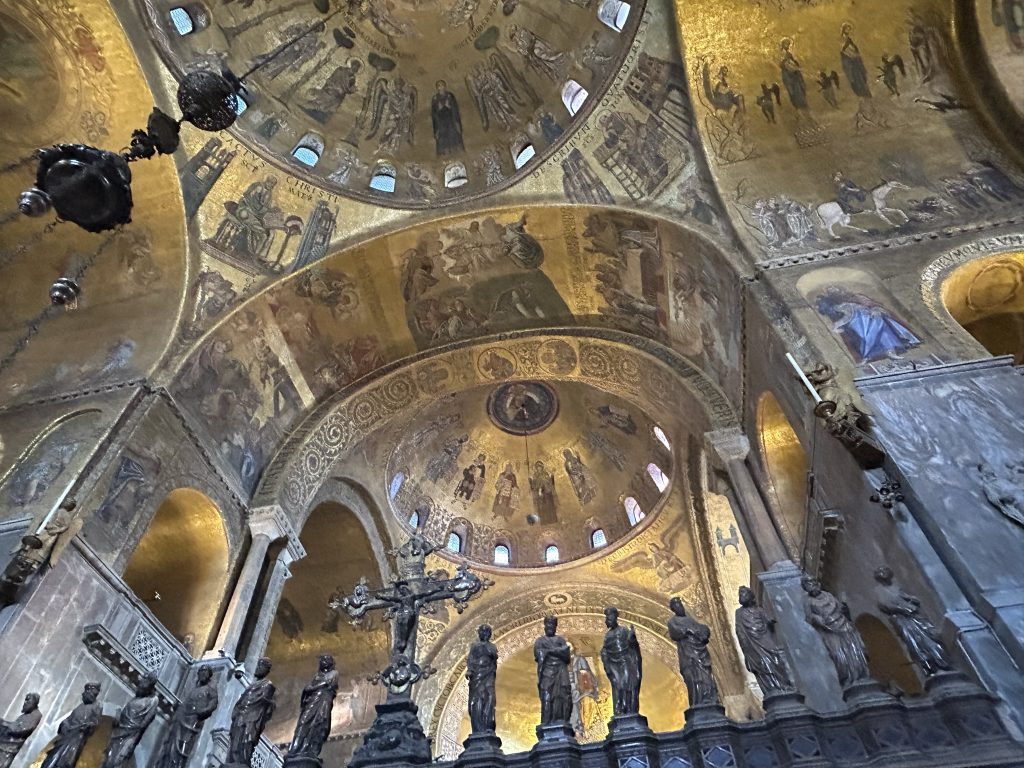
(482, 665)
(248, 719)
(691, 639)
(14, 733)
(761, 654)
(624, 667)
(135, 717)
(73, 732)
(186, 723)
(314, 725)
(826, 614)
(552, 656)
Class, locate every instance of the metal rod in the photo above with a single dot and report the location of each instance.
(803, 377)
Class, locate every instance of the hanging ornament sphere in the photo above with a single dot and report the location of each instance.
(209, 100)
(64, 291)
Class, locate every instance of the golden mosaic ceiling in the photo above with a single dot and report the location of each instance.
(450, 98)
(529, 465)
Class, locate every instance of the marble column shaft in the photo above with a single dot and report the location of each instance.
(268, 609)
(813, 671)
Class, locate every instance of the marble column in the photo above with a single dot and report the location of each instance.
(268, 608)
(266, 525)
(813, 671)
(732, 447)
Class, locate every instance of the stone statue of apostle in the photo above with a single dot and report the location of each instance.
(761, 653)
(831, 618)
(691, 639)
(132, 722)
(75, 729)
(918, 634)
(187, 722)
(620, 656)
(14, 733)
(481, 669)
(552, 655)
(250, 715)
(314, 725)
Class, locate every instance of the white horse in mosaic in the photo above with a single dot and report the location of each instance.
(832, 214)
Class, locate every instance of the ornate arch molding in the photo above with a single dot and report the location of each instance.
(936, 273)
(631, 366)
(359, 502)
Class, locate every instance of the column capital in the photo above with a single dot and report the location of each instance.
(730, 444)
(272, 522)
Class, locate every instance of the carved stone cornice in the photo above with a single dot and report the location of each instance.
(271, 521)
(729, 444)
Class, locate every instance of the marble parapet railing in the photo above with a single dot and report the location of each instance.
(954, 724)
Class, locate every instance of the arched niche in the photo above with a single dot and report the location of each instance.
(92, 753)
(887, 660)
(183, 557)
(785, 463)
(986, 297)
(339, 551)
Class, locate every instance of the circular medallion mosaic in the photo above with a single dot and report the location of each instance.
(522, 407)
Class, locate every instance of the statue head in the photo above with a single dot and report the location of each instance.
(204, 675)
(31, 703)
(91, 693)
(746, 597)
(611, 617)
(484, 632)
(676, 606)
(326, 663)
(145, 686)
(550, 625)
(441, 86)
(262, 668)
(810, 586)
(883, 575)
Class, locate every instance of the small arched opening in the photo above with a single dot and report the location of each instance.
(887, 660)
(180, 567)
(598, 539)
(502, 554)
(309, 150)
(986, 297)
(383, 179)
(455, 176)
(574, 96)
(614, 13)
(633, 510)
(785, 464)
(551, 554)
(189, 18)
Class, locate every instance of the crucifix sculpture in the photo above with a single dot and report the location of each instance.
(396, 734)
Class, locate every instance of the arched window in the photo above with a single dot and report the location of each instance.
(573, 96)
(614, 13)
(414, 519)
(309, 149)
(182, 21)
(454, 542)
(522, 155)
(240, 105)
(502, 555)
(551, 554)
(455, 176)
(633, 511)
(396, 485)
(657, 476)
(662, 438)
(383, 179)
(598, 539)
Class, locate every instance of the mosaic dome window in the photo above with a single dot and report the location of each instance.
(517, 471)
(456, 98)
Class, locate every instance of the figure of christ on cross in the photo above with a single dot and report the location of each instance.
(413, 592)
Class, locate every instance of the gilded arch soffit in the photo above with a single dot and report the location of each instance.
(277, 357)
(516, 621)
(935, 274)
(636, 368)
